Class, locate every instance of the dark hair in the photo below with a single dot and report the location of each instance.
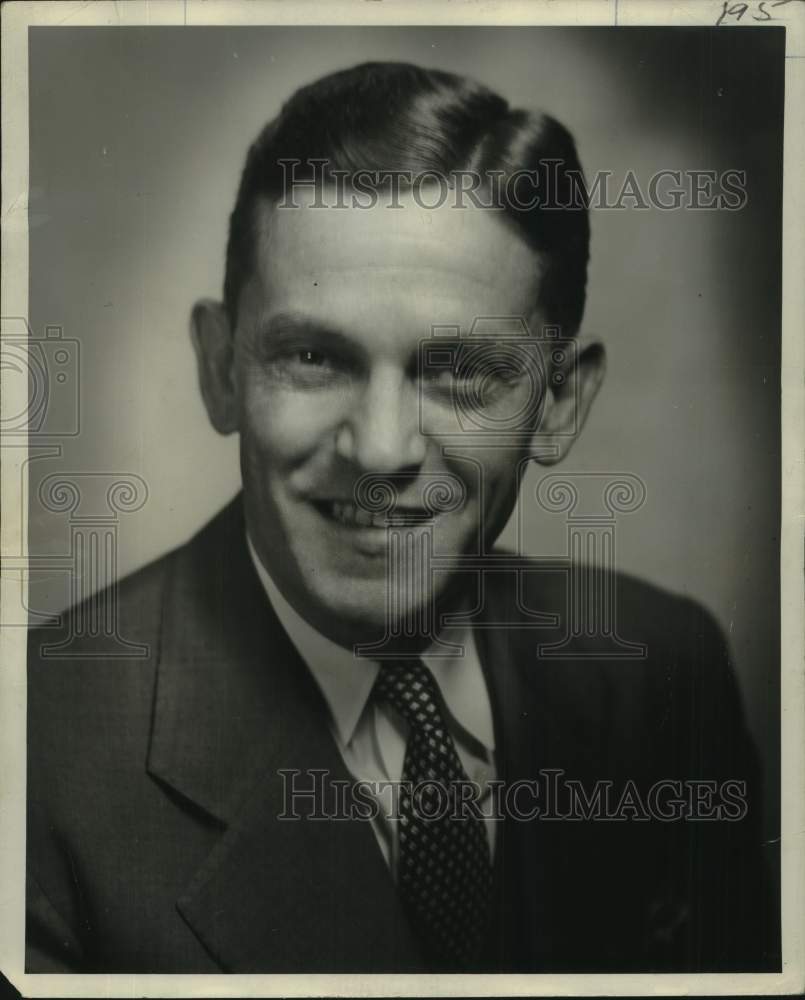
(382, 116)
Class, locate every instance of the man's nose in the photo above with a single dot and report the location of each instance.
(381, 433)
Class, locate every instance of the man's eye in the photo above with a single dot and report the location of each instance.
(475, 379)
(463, 374)
(306, 367)
(312, 358)
(447, 375)
(443, 376)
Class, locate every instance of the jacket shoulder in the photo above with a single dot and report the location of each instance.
(91, 672)
(596, 600)
(612, 646)
(90, 679)
(113, 623)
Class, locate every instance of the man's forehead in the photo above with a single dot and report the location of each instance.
(469, 241)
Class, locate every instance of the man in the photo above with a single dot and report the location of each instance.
(314, 645)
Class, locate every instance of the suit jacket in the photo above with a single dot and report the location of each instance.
(154, 843)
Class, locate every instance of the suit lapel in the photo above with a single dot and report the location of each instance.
(541, 710)
(513, 897)
(236, 713)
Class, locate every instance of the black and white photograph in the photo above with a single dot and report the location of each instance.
(395, 512)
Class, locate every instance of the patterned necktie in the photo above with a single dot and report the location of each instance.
(444, 873)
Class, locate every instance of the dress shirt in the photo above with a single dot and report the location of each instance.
(370, 735)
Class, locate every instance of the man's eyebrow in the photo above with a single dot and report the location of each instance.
(300, 325)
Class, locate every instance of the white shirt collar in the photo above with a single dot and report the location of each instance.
(346, 680)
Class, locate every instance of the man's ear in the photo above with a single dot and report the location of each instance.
(573, 386)
(213, 342)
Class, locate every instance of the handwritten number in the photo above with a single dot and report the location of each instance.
(736, 10)
(760, 12)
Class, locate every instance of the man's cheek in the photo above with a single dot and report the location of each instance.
(287, 425)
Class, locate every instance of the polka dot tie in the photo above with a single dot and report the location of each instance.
(444, 874)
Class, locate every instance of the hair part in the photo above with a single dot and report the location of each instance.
(382, 116)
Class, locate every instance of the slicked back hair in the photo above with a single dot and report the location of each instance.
(396, 116)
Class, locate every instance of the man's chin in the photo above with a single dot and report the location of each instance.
(364, 611)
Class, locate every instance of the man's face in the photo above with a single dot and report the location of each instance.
(328, 389)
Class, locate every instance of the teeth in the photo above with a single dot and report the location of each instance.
(348, 513)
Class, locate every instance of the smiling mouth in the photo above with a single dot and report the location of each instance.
(351, 516)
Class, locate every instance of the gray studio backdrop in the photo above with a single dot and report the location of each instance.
(137, 138)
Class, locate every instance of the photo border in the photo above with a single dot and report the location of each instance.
(17, 17)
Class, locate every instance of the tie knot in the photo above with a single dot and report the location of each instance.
(410, 688)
